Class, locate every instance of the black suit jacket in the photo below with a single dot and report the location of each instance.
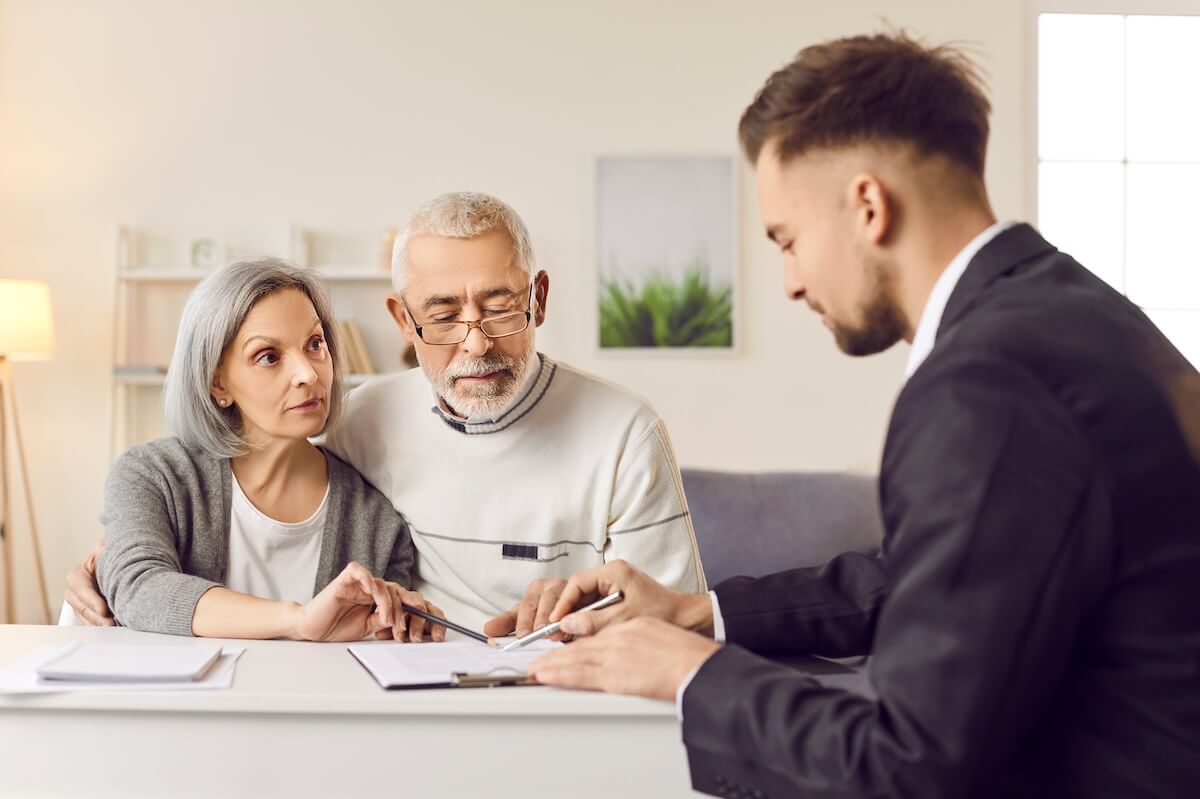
(1035, 615)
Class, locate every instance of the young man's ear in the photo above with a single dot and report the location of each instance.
(395, 307)
(873, 206)
(540, 292)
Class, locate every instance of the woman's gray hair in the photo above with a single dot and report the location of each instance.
(214, 313)
(461, 215)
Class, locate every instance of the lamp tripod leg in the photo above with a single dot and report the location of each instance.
(5, 542)
(39, 569)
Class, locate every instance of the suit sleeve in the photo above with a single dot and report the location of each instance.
(829, 611)
(988, 490)
(649, 522)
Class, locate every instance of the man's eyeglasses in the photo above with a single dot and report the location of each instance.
(456, 332)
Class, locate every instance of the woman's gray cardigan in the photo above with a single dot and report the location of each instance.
(167, 510)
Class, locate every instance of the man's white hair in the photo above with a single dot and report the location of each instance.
(461, 215)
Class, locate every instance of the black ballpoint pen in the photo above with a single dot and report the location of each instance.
(458, 628)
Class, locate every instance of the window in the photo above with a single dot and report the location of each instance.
(1118, 143)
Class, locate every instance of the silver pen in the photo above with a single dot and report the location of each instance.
(551, 629)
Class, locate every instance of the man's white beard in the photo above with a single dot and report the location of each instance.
(488, 399)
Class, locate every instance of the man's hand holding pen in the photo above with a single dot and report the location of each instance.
(643, 597)
(644, 645)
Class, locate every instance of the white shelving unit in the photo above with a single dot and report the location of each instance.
(193, 276)
(159, 380)
(149, 298)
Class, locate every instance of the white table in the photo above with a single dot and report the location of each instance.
(307, 720)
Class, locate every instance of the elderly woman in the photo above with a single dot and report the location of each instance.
(239, 527)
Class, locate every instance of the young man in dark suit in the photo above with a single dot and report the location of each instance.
(1034, 619)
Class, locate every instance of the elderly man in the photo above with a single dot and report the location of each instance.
(512, 470)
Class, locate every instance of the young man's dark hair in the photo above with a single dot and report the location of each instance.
(872, 89)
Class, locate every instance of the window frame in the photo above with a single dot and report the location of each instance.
(1034, 9)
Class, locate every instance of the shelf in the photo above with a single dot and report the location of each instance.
(155, 275)
(139, 380)
(332, 273)
(158, 380)
(352, 273)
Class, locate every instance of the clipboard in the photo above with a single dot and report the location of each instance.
(488, 679)
(457, 664)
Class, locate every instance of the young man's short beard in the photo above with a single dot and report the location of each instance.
(881, 323)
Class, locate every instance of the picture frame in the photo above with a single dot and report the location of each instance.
(666, 254)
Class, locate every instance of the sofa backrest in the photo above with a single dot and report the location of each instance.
(756, 524)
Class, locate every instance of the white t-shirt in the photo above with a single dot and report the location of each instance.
(273, 559)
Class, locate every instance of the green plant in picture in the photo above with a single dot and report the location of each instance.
(662, 312)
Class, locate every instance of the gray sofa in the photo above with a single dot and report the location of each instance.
(756, 524)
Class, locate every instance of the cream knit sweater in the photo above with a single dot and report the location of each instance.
(576, 473)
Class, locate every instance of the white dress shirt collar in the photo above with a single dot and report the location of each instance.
(935, 306)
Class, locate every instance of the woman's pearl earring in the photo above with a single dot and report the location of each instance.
(223, 403)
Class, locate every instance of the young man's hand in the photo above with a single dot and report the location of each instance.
(644, 657)
(643, 597)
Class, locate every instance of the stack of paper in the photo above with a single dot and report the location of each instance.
(95, 667)
(101, 663)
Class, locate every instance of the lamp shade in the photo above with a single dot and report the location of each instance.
(26, 326)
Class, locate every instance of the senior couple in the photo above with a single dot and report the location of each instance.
(469, 488)
(1034, 618)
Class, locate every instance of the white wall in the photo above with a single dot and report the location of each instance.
(246, 115)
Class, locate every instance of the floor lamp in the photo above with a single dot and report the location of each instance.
(26, 334)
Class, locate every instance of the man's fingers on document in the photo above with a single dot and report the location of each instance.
(503, 624)
(546, 604)
(530, 610)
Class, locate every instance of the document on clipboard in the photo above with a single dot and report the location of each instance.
(452, 664)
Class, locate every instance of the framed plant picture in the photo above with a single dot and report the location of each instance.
(667, 251)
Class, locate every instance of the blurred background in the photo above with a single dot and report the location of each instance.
(141, 141)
